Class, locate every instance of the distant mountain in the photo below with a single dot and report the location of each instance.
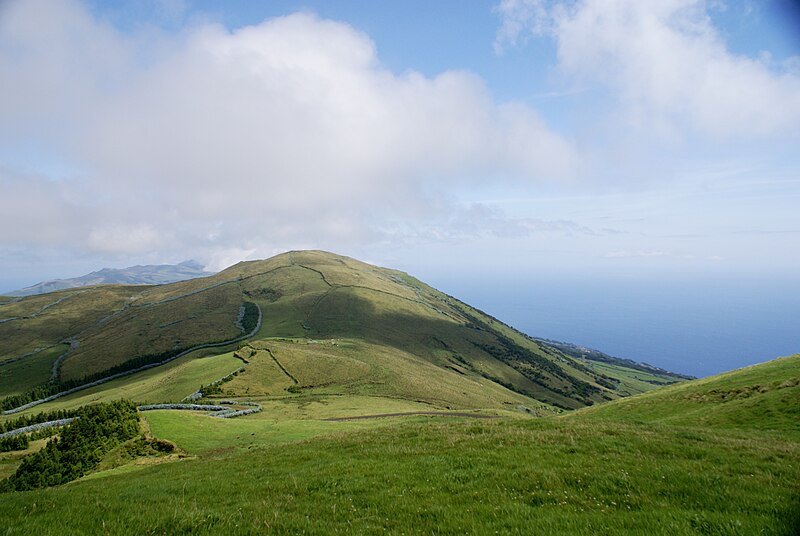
(152, 274)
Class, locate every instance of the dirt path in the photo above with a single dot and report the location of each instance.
(438, 413)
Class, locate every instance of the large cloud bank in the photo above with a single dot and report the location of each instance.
(285, 133)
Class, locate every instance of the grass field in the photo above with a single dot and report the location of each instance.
(341, 338)
(282, 421)
(345, 366)
(622, 468)
(549, 476)
(9, 461)
(19, 376)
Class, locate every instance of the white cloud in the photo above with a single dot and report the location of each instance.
(520, 20)
(665, 62)
(265, 136)
(116, 238)
(466, 223)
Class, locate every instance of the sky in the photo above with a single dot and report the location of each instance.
(464, 142)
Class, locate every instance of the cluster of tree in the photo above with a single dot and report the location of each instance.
(81, 446)
(17, 442)
(36, 393)
(250, 318)
(27, 420)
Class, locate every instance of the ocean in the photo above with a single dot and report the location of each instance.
(698, 327)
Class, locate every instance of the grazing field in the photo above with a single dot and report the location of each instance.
(352, 367)
(9, 461)
(547, 476)
(200, 434)
(18, 376)
(622, 468)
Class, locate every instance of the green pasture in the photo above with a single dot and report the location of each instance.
(437, 476)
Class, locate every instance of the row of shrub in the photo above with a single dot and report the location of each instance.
(38, 428)
(81, 446)
(215, 387)
(17, 442)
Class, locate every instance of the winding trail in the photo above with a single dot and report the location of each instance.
(140, 369)
(56, 367)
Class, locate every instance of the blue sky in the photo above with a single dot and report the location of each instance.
(519, 137)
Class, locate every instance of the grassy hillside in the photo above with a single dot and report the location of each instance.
(712, 456)
(459, 356)
(435, 476)
(761, 397)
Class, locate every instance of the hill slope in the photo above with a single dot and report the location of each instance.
(396, 326)
(761, 397)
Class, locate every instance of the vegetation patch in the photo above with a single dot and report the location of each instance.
(16, 442)
(80, 448)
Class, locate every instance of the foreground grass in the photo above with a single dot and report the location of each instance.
(434, 476)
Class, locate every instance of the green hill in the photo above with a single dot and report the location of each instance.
(761, 397)
(397, 337)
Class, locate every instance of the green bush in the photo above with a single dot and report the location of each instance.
(17, 442)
